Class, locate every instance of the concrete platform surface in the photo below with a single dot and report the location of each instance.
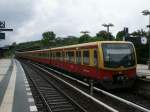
(142, 71)
(4, 66)
(15, 93)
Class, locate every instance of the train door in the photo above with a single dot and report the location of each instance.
(63, 58)
(95, 58)
(49, 56)
(78, 61)
(78, 57)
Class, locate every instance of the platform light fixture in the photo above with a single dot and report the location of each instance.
(107, 26)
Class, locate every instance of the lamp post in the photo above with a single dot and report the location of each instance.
(84, 32)
(107, 26)
(147, 13)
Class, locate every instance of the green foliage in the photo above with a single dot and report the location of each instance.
(66, 41)
(48, 38)
(138, 33)
(84, 38)
(32, 45)
(103, 35)
(120, 35)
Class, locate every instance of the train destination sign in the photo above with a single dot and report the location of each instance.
(3, 29)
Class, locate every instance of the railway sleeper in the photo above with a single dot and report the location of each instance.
(61, 102)
(45, 87)
(53, 98)
(54, 95)
(49, 92)
(64, 109)
(56, 100)
(61, 106)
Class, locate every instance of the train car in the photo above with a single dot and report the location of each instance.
(111, 63)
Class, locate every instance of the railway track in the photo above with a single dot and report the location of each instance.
(117, 103)
(48, 96)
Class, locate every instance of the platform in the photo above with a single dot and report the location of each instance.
(142, 71)
(15, 94)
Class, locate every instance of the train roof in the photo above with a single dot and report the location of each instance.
(34, 51)
(88, 44)
(78, 45)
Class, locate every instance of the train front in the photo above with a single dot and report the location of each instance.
(118, 65)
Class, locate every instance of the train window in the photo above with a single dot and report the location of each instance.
(95, 58)
(78, 57)
(58, 55)
(54, 55)
(70, 56)
(38, 54)
(51, 55)
(41, 55)
(63, 55)
(46, 54)
(67, 56)
(86, 59)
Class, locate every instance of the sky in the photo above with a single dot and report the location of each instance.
(30, 18)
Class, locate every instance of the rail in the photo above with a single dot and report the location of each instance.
(106, 93)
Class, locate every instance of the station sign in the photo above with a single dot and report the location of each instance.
(2, 24)
(2, 35)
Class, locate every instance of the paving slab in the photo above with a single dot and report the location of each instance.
(5, 73)
(13, 89)
(4, 66)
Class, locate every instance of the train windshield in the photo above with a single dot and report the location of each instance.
(118, 55)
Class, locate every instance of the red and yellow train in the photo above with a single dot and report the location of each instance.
(112, 63)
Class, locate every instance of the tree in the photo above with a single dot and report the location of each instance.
(139, 33)
(120, 35)
(84, 38)
(13, 46)
(48, 38)
(103, 35)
